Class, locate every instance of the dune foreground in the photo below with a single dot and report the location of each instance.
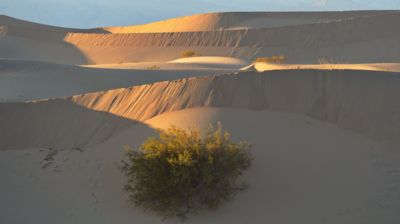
(324, 123)
(304, 174)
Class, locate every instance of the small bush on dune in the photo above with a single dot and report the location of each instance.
(180, 173)
(188, 54)
(153, 67)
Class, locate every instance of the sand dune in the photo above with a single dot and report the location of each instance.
(359, 40)
(217, 67)
(388, 67)
(321, 163)
(239, 20)
(32, 80)
(64, 125)
(370, 38)
(213, 62)
(334, 96)
(32, 30)
(25, 40)
(326, 137)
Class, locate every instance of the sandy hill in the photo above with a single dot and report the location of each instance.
(22, 28)
(298, 122)
(33, 80)
(262, 66)
(25, 40)
(357, 40)
(304, 162)
(239, 20)
(325, 137)
(15, 23)
(334, 96)
(347, 37)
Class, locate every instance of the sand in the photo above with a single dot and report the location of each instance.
(240, 20)
(325, 136)
(323, 174)
(210, 60)
(334, 96)
(32, 80)
(220, 64)
(388, 67)
(358, 37)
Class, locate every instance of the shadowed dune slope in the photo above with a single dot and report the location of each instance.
(366, 102)
(63, 125)
(22, 28)
(25, 40)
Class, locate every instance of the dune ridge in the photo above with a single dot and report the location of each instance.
(333, 96)
(262, 66)
(320, 133)
(366, 39)
(369, 37)
(368, 28)
(240, 20)
(32, 80)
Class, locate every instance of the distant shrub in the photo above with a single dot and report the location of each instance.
(187, 54)
(180, 173)
(272, 59)
(153, 67)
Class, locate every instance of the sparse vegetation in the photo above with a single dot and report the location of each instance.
(273, 59)
(153, 67)
(188, 53)
(180, 173)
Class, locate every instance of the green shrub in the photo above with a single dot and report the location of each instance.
(180, 173)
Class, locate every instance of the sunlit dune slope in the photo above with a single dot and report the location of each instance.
(33, 80)
(239, 20)
(227, 61)
(371, 38)
(212, 64)
(261, 66)
(359, 40)
(334, 96)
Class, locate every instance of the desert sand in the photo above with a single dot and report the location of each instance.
(321, 163)
(22, 80)
(353, 37)
(261, 67)
(325, 136)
